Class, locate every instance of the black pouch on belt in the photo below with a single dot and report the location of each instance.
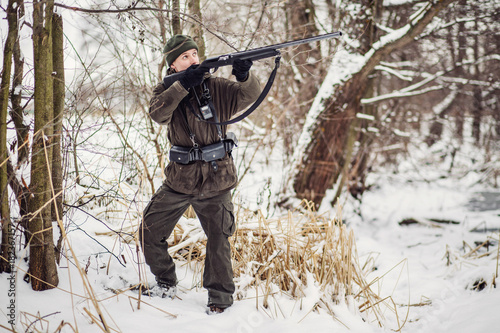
(213, 152)
(180, 154)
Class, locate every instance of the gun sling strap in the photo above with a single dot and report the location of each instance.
(213, 152)
(259, 100)
(255, 105)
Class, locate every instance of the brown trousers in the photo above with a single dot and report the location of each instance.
(217, 220)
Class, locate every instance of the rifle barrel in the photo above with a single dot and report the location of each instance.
(252, 54)
(295, 42)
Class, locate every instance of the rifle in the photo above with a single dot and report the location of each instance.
(252, 54)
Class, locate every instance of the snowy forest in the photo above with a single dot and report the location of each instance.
(368, 197)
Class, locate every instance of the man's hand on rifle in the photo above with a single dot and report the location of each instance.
(241, 69)
(193, 76)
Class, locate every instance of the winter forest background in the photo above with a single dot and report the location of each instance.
(368, 198)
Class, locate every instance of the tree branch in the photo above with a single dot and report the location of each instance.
(401, 93)
(179, 14)
(402, 36)
(410, 90)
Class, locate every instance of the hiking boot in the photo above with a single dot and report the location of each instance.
(216, 309)
(161, 289)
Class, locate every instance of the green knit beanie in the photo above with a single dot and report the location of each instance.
(177, 45)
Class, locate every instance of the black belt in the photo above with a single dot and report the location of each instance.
(209, 153)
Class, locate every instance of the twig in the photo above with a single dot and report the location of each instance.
(149, 9)
(40, 318)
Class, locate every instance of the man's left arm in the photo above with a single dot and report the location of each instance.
(231, 97)
(248, 92)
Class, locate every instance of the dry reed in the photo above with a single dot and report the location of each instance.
(286, 255)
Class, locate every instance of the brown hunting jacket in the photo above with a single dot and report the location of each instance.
(229, 97)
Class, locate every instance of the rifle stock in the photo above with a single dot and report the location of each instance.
(252, 54)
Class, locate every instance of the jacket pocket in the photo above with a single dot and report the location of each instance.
(223, 179)
(182, 178)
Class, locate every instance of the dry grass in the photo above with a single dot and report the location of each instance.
(287, 254)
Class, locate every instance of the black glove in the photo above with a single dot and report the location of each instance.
(193, 76)
(241, 68)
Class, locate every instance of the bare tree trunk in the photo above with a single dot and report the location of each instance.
(325, 154)
(176, 21)
(301, 24)
(17, 113)
(477, 103)
(356, 177)
(6, 249)
(462, 99)
(496, 117)
(496, 76)
(477, 114)
(42, 264)
(308, 68)
(195, 30)
(163, 33)
(59, 95)
(324, 157)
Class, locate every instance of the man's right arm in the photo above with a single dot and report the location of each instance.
(165, 101)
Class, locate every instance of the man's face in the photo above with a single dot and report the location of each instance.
(185, 60)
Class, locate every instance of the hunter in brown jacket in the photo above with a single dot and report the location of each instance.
(203, 183)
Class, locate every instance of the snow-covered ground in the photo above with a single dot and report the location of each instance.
(435, 267)
(428, 269)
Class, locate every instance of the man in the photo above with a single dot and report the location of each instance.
(195, 178)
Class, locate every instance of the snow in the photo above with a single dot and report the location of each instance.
(426, 248)
(428, 269)
(445, 103)
(343, 66)
(397, 2)
(365, 116)
(394, 72)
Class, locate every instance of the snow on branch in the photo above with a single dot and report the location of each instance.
(342, 68)
(464, 81)
(402, 36)
(345, 66)
(398, 64)
(408, 91)
(398, 34)
(391, 3)
(384, 28)
(445, 103)
(401, 93)
(411, 90)
(445, 25)
(394, 72)
(365, 116)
